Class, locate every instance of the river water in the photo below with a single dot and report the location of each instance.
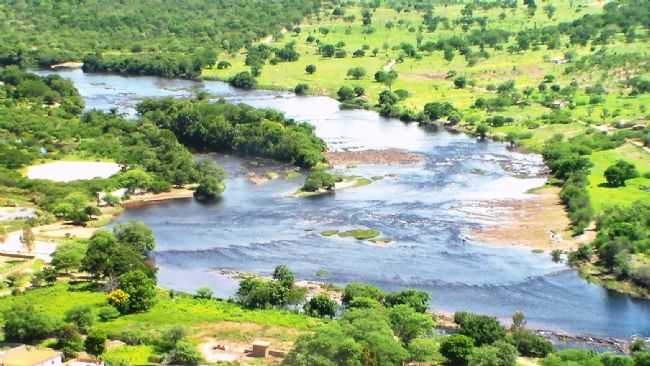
(425, 209)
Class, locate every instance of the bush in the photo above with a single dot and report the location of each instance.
(355, 290)
(321, 306)
(185, 353)
(301, 89)
(141, 291)
(107, 313)
(483, 329)
(531, 345)
(356, 73)
(81, 316)
(310, 69)
(618, 173)
(319, 179)
(457, 349)
(243, 80)
(423, 350)
(22, 323)
(95, 343)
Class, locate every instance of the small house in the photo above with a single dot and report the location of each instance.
(31, 356)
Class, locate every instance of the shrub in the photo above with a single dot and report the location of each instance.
(321, 305)
(243, 80)
(618, 173)
(301, 89)
(310, 69)
(531, 345)
(22, 323)
(95, 342)
(354, 290)
(319, 179)
(81, 316)
(483, 329)
(457, 349)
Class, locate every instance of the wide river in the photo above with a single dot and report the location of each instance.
(426, 209)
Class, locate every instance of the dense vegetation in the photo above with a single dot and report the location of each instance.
(240, 128)
(147, 37)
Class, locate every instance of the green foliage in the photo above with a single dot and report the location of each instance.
(184, 353)
(531, 345)
(484, 330)
(106, 258)
(136, 235)
(355, 290)
(356, 73)
(618, 173)
(256, 293)
(330, 345)
(25, 325)
(95, 342)
(82, 316)
(204, 293)
(141, 290)
(321, 306)
(301, 89)
(319, 179)
(310, 69)
(409, 324)
(240, 128)
(417, 299)
(69, 256)
(423, 350)
(243, 80)
(457, 349)
(69, 341)
(499, 354)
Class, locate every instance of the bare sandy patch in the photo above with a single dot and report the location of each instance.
(425, 75)
(176, 193)
(538, 222)
(373, 157)
(67, 171)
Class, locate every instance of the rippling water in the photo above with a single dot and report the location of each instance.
(425, 209)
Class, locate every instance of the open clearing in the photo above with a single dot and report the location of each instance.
(67, 171)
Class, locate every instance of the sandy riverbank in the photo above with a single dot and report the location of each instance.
(176, 193)
(538, 222)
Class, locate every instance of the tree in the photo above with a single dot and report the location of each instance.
(243, 80)
(345, 93)
(301, 89)
(319, 179)
(499, 354)
(483, 329)
(457, 349)
(135, 179)
(81, 316)
(550, 9)
(141, 291)
(460, 82)
(184, 353)
(417, 299)
(327, 50)
(69, 341)
(23, 324)
(136, 235)
(75, 207)
(310, 69)
(106, 258)
(354, 290)
(284, 276)
(356, 73)
(422, 350)
(322, 306)
(481, 131)
(209, 189)
(95, 342)
(530, 344)
(203, 293)
(619, 172)
(329, 345)
(171, 337)
(409, 324)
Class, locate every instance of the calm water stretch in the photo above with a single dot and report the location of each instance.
(426, 209)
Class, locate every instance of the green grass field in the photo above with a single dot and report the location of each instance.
(635, 189)
(180, 310)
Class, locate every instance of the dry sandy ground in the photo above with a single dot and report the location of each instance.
(539, 222)
(67, 171)
(175, 193)
(373, 157)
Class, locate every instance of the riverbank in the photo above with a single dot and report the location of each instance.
(538, 222)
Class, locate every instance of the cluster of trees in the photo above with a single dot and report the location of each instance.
(43, 32)
(240, 128)
(623, 232)
(569, 162)
(319, 179)
(166, 65)
(278, 292)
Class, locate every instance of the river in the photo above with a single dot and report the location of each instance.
(425, 209)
